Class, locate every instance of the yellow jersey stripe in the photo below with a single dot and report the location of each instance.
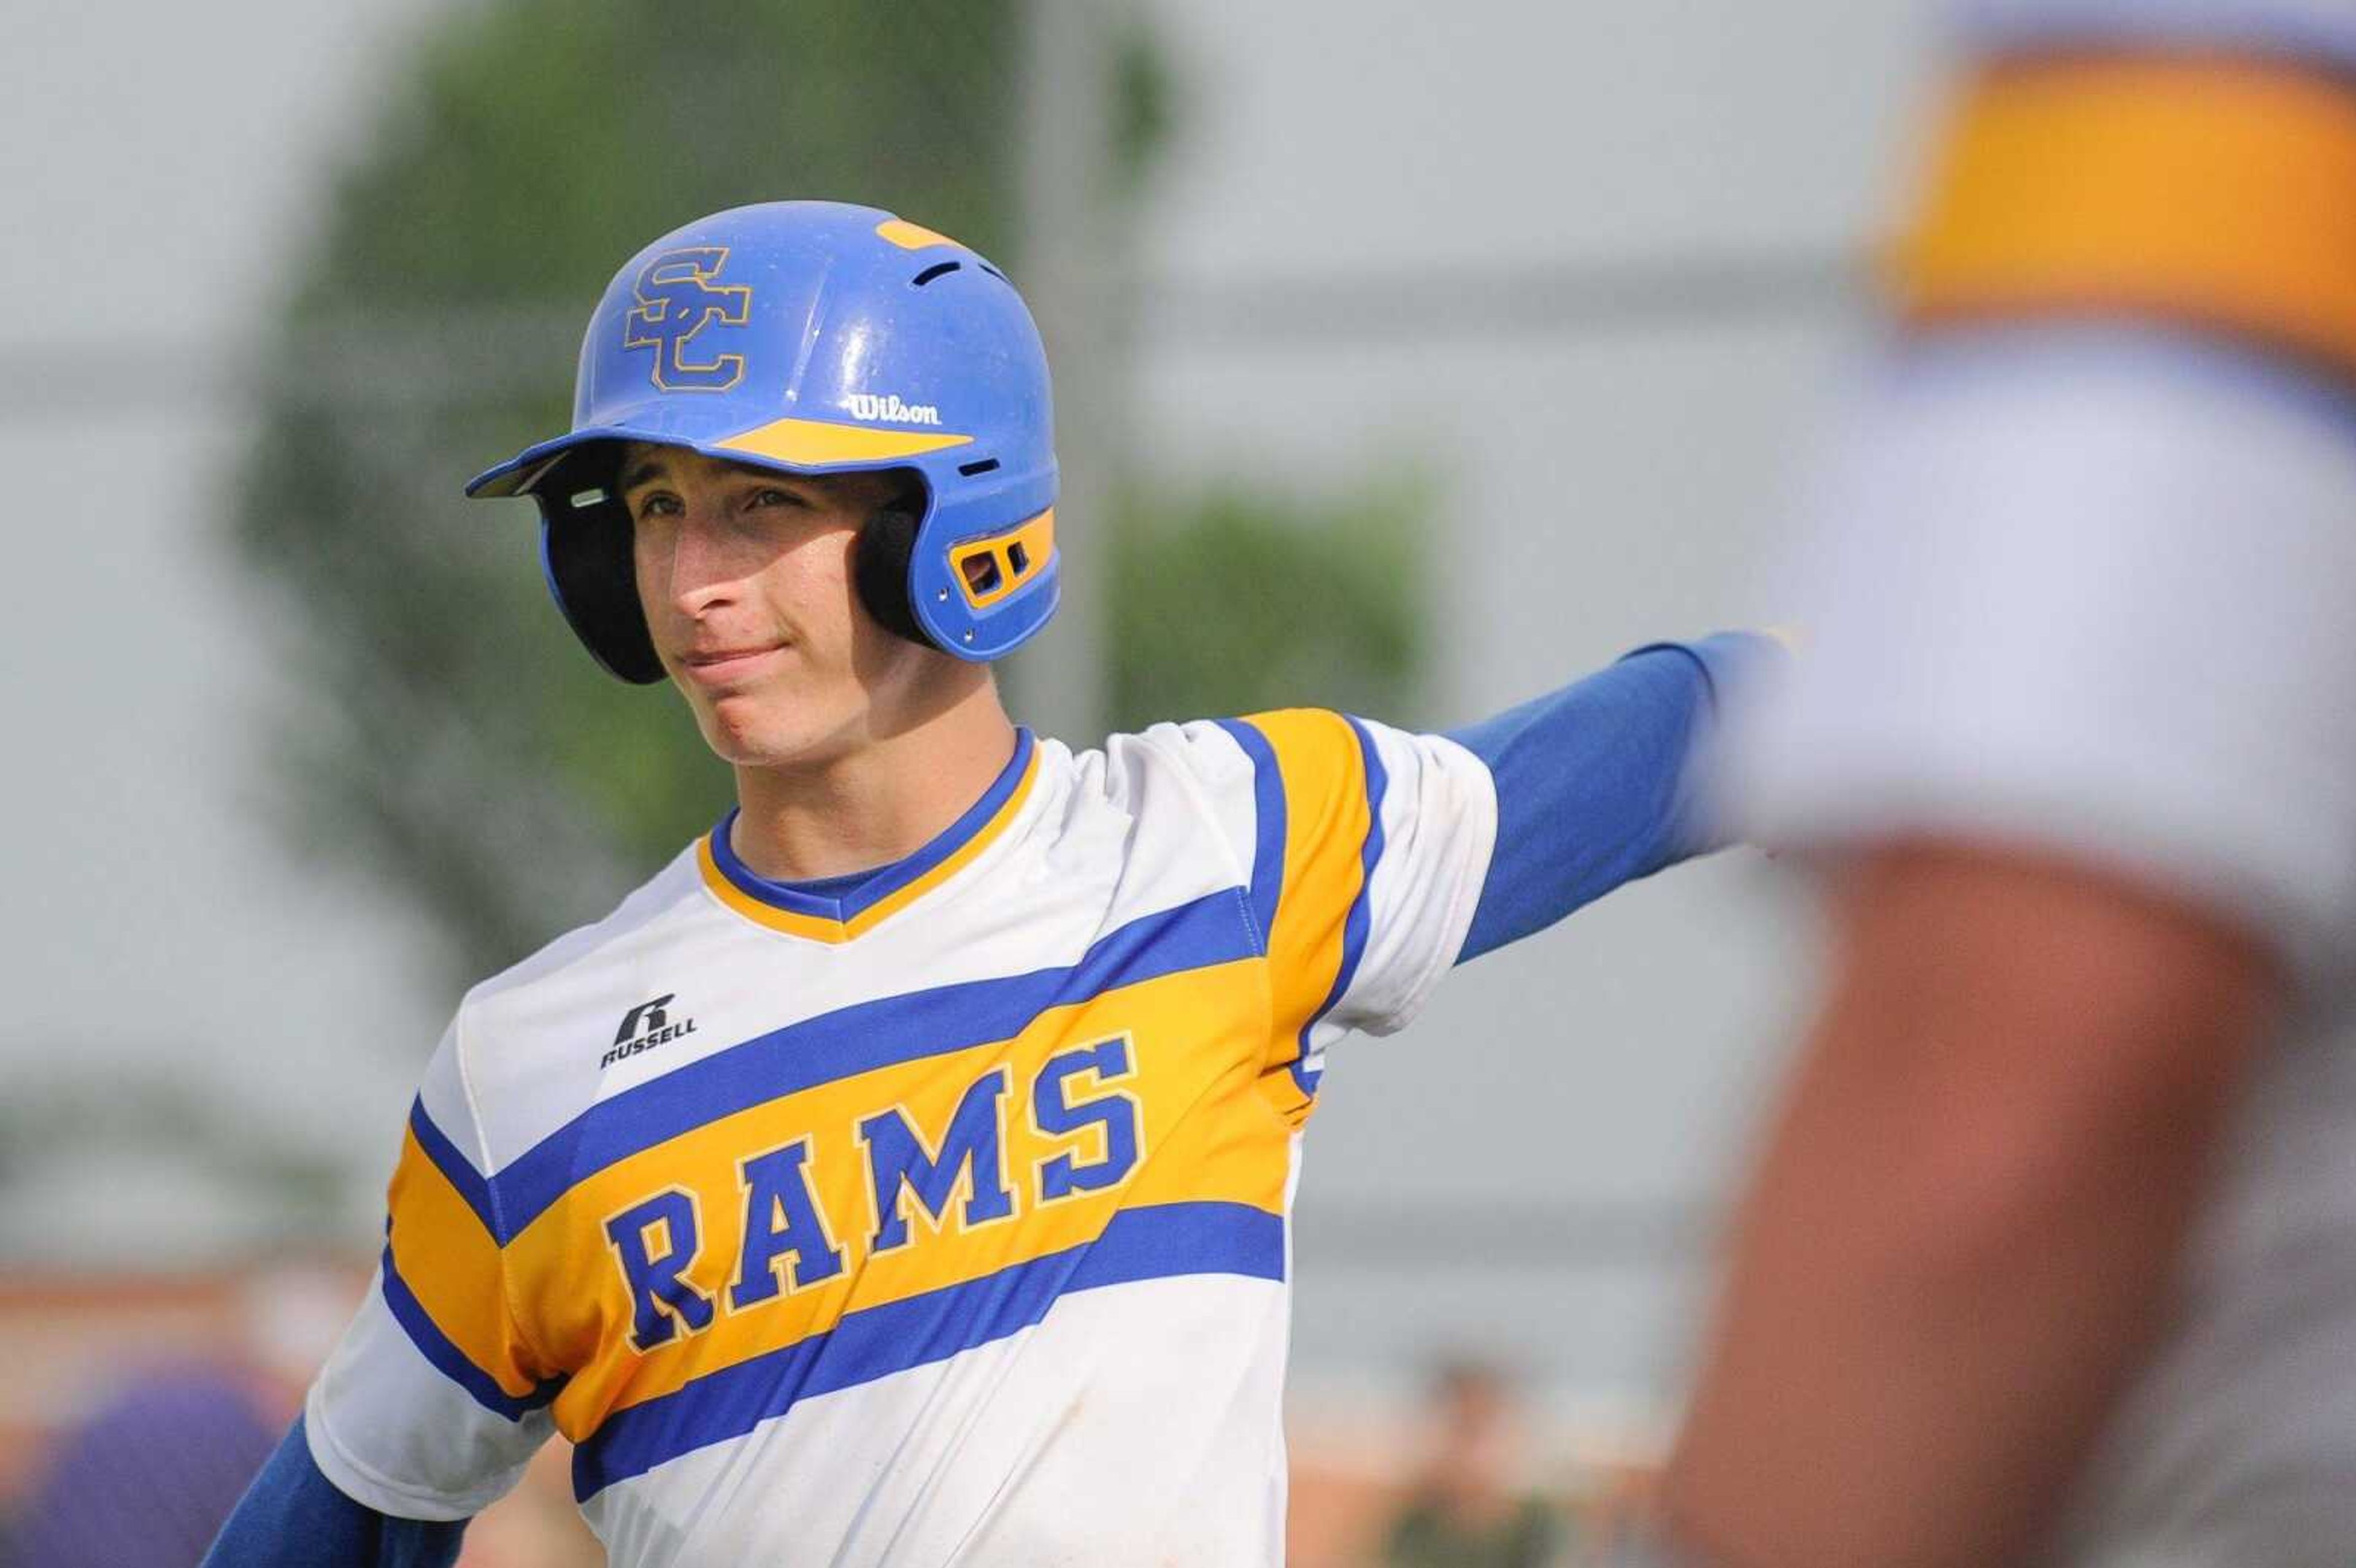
(819, 928)
(2218, 192)
(1204, 1130)
(451, 1265)
(1326, 820)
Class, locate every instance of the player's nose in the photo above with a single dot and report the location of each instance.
(706, 562)
(703, 571)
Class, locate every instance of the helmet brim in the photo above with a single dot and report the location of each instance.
(788, 445)
(522, 473)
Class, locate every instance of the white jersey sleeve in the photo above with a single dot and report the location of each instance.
(2095, 596)
(431, 1404)
(1362, 850)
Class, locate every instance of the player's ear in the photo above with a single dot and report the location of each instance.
(586, 551)
(880, 559)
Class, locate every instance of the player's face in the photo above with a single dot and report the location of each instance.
(746, 578)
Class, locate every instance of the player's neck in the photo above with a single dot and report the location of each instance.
(877, 801)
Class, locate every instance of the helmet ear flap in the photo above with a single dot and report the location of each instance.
(880, 570)
(586, 551)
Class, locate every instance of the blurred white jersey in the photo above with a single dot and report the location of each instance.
(2085, 580)
(2152, 665)
(940, 1222)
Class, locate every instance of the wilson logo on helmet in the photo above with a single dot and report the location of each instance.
(890, 409)
(677, 297)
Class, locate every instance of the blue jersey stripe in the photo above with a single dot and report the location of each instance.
(1268, 822)
(1155, 1243)
(450, 1361)
(1356, 924)
(2320, 37)
(455, 1166)
(868, 889)
(1993, 352)
(861, 1038)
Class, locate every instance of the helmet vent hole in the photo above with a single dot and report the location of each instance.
(991, 271)
(984, 466)
(982, 573)
(1018, 557)
(935, 270)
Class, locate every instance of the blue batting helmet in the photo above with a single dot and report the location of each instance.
(815, 337)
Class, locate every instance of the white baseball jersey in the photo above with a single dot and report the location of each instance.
(942, 1222)
(2086, 580)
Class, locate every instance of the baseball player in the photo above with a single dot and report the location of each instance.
(901, 1175)
(2052, 1255)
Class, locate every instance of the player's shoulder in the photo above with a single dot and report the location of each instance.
(629, 922)
(1221, 781)
(1205, 752)
(1221, 754)
(1178, 786)
(1225, 770)
(527, 1037)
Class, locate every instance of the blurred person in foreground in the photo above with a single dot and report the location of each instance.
(146, 1477)
(903, 1174)
(2051, 1256)
(1466, 1507)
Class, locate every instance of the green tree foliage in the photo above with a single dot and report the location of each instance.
(1235, 601)
(446, 737)
(449, 739)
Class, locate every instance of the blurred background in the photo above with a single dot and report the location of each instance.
(1411, 359)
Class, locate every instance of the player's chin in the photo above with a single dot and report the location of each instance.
(765, 728)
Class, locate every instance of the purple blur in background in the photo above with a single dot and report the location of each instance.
(146, 1479)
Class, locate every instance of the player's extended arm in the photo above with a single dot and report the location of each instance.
(293, 1516)
(1592, 782)
(1964, 1233)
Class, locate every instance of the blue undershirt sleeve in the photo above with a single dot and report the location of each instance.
(1593, 786)
(293, 1516)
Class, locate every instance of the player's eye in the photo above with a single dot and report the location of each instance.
(772, 495)
(655, 504)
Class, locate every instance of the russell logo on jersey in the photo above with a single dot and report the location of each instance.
(644, 1028)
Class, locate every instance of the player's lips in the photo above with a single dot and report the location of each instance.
(721, 667)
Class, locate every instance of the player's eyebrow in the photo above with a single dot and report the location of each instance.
(645, 471)
(648, 469)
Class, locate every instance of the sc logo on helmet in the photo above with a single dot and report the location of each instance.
(677, 297)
